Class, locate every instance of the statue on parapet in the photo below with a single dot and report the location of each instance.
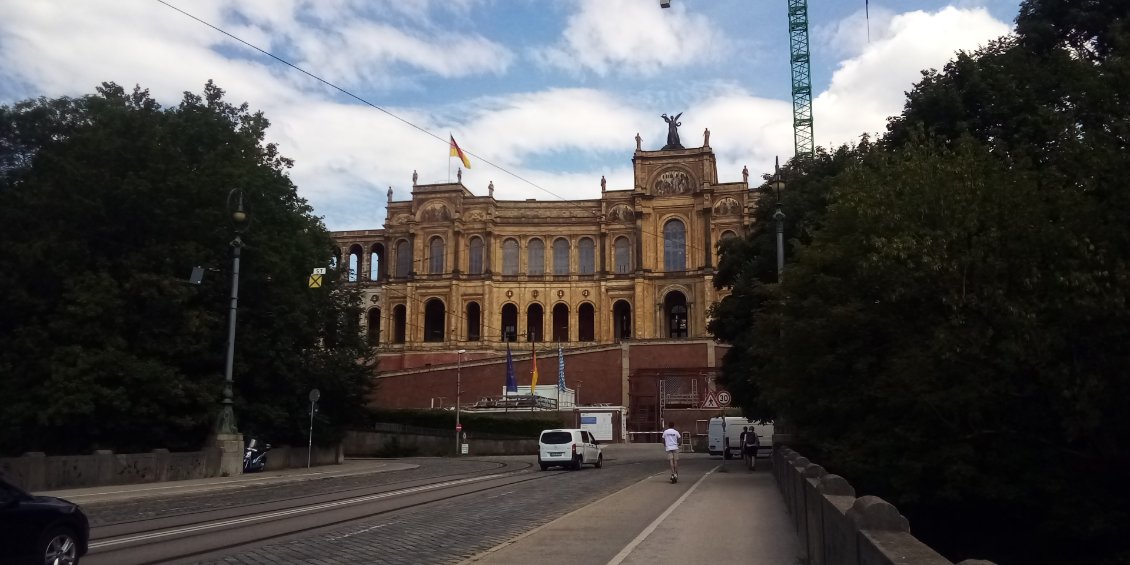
(673, 132)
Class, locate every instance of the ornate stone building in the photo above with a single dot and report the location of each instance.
(616, 288)
(452, 270)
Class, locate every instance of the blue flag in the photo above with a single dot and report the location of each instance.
(560, 370)
(511, 380)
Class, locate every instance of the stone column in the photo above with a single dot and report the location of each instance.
(228, 451)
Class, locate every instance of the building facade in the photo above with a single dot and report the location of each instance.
(452, 270)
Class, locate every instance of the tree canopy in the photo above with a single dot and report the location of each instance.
(948, 332)
(110, 201)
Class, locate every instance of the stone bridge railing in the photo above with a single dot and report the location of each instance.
(836, 528)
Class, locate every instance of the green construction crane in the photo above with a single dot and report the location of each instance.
(802, 82)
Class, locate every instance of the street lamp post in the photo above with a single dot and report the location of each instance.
(458, 393)
(779, 216)
(225, 424)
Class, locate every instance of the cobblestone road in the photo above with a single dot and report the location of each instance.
(449, 531)
(108, 513)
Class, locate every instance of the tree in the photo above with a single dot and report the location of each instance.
(949, 337)
(110, 201)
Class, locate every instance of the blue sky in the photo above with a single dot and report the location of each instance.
(547, 95)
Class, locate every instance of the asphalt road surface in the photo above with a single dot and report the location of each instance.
(482, 509)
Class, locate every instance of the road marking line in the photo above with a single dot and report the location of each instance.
(655, 523)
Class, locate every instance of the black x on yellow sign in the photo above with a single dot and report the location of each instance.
(316, 281)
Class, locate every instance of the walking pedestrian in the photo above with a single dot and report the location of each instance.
(671, 445)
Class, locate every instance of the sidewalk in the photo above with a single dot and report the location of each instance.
(116, 493)
(732, 516)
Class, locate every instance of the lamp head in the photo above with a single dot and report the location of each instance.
(240, 216)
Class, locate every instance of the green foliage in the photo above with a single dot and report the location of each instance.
(110, 202)
(949, 333)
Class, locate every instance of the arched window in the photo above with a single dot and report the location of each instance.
(675, 305)
(354, 265)
(434, 320)
(509, 322)
(474, 322)
(586, 256)
(403, 258)
(622, 320)
(354, 262)
(727, 235)
(534, 321)
(674, 246)
(475, 261)
(623, 255)
(377, 262)
(560, 322)
(435, 256)
(535, 257)
(586, 322)
(374, 326)
(561, 256)
(510, 257)
(399, 323)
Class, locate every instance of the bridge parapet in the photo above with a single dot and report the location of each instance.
(836, 528)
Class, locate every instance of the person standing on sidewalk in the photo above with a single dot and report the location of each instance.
(671, 445)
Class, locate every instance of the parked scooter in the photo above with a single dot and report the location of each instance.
(255, 456)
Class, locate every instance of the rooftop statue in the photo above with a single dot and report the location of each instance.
(673, 132)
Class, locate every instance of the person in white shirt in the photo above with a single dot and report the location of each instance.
(671, 444)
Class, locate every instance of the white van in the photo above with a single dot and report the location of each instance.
(568, 448)
(727, 443)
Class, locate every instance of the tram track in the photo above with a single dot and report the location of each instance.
(185, 536)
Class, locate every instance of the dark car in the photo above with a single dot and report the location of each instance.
(43, 530)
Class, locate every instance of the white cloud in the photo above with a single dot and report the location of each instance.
(631, 36)
(870, 87)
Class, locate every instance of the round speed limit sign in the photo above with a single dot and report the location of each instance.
(723, 398)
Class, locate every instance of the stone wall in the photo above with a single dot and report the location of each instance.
(836, 528)
(425, 443)
(40, 472)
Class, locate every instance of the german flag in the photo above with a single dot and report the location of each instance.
(457, 152)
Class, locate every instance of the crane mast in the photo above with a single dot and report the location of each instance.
(802, 82)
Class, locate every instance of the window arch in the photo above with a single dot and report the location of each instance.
(728, 234)
(534, 321)
(586, 322)
(403, 258)
(535, 257)
(475, 259)
(622, 255)
(586, 256)
(436, 249)
(560, 315)
(510, 257)
(399, 323)
(374, 326)
(509, 322)
(674, 246)
(561, 256)
(354, 263)
(377, 268)
(434, 320)
(675, 307)
(474, 322)
(622, 320)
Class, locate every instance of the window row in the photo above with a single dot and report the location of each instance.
(435, 317)
(674, 255)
